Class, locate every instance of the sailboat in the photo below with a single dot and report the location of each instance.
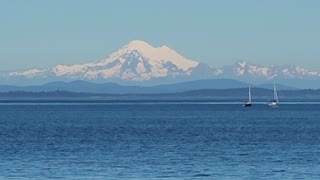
(275, 100)
(248, 103)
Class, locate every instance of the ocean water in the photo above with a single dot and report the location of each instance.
(163, 140)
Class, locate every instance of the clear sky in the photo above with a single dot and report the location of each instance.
(41, 33)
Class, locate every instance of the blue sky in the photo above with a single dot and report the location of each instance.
(38, 33)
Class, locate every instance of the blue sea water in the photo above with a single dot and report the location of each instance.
(136, 140)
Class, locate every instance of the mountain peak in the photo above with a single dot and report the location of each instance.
(241, 63)
(138, 45)
(157, 55)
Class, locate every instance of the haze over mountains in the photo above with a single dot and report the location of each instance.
(138, 63)
(214, 89)
(113, 88)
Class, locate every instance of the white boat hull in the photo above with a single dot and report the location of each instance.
(272, 104)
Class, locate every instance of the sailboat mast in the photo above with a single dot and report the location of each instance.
(275, 95)
(249, 94)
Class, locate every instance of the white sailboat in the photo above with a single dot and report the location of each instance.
(248, 103)
(275, 100)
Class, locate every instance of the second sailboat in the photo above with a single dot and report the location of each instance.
(248, 103)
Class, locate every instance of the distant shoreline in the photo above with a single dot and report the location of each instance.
(237, 94)
(143, 102)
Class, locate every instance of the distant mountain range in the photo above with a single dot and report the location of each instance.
(138, 63)
(237, 94)
(113, 88)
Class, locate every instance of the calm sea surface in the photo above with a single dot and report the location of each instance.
(159, 141)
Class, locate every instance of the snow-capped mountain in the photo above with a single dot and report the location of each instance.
(140, 62)
(136, 61)
(246, 71)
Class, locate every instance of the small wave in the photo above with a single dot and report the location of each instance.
(277, 161)
(243, 154)
(281, 170)
(202, 175)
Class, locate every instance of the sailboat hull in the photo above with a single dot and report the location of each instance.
(272, 104)
(247, 105)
